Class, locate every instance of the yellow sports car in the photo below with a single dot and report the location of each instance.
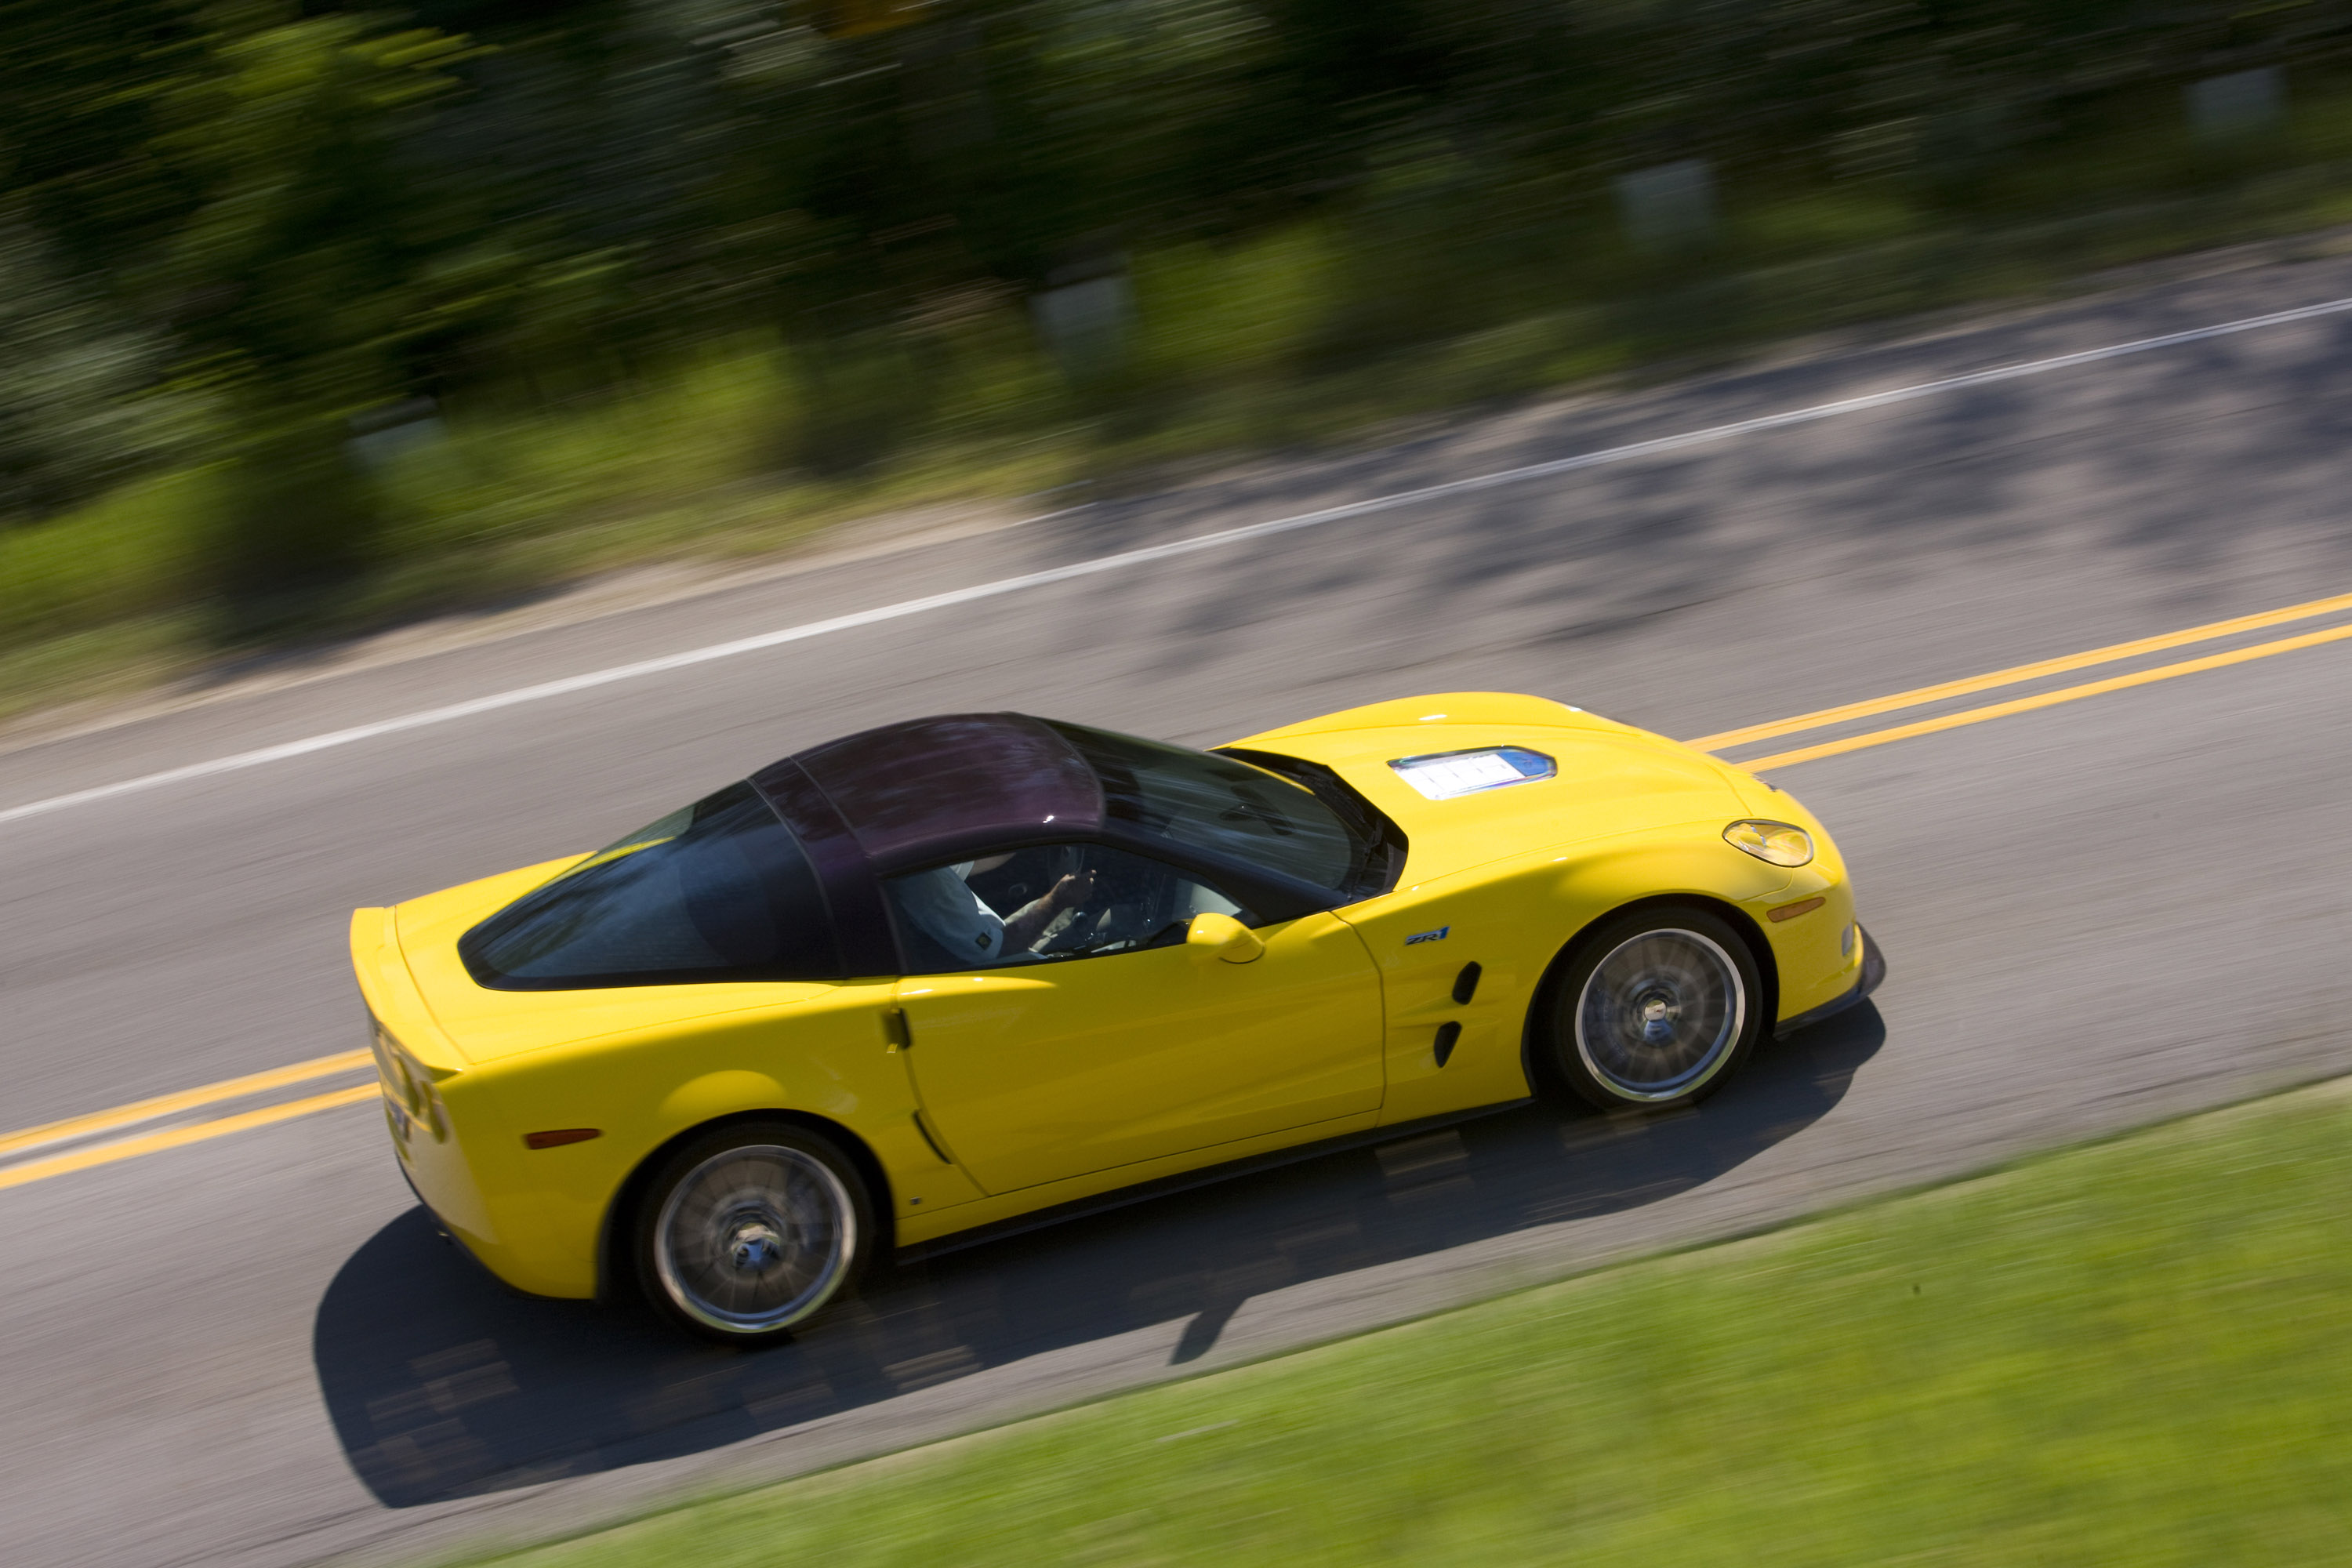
(962, 975)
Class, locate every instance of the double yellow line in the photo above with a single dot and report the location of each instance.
(163, 1105)
(2017, 675)
(76, 1129)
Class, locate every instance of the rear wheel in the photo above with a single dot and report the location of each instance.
(1654, 1009)
(752, 1229)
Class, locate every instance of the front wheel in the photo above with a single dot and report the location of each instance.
(1652, 1010)
(752, 1229)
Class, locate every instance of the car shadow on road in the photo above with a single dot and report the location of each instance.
(443, 1383)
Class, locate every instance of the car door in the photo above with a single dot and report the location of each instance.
(1115, 1042)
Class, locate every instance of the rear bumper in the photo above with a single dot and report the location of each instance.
(1873, 970)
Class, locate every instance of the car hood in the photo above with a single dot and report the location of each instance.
(1612, 778)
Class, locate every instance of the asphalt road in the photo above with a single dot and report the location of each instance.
(251, 1350)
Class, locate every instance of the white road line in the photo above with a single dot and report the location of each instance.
(1127, 558)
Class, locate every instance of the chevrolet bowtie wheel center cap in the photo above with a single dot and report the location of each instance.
(754, 1248)
(1659, 1012)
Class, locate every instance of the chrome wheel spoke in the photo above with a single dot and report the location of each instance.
(754, 1238)
(1660, 1013)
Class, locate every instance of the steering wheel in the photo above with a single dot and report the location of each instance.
(1072, 928)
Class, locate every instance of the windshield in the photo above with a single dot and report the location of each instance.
(1227, 807)
(718, 891)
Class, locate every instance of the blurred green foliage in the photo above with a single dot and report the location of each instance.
(383, 284)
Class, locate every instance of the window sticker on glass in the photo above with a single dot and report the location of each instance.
(1446, 774)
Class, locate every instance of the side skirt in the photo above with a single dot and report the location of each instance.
(1208, 1175)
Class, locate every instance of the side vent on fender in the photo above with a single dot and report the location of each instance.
(1446, 1034)
(1466, 985)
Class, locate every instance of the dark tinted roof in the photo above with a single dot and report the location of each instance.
(929, 789)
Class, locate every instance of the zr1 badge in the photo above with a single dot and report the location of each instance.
(1421, 936)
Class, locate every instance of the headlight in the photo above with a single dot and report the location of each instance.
(1776, 843)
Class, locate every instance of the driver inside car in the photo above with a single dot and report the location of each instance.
(960, 921)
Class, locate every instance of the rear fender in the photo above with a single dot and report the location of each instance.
(827, 1062)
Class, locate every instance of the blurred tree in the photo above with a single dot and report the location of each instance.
(81, 86)
(280, 215)
(293, 280)
(854, 18)
(71, 417)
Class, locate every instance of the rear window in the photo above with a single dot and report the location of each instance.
(721, 890)
(1224, 806)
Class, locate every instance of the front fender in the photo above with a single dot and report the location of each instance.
(1512, 919)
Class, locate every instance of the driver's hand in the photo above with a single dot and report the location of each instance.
(1071, 892)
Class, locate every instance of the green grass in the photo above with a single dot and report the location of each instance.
(1446, 285)
(2134, 1353)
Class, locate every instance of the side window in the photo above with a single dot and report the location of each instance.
(1226, 806)
(1043, 904)
(718, 891)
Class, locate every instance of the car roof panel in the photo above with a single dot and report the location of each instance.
(924, 788)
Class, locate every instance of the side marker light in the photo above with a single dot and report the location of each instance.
(559, 1137)
(1791, 911)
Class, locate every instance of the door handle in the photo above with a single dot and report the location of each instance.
(894, 1030)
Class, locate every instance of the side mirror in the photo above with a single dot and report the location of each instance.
(1224, 936)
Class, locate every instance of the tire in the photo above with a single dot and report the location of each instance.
(751, 1229)
(1652, 1010)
